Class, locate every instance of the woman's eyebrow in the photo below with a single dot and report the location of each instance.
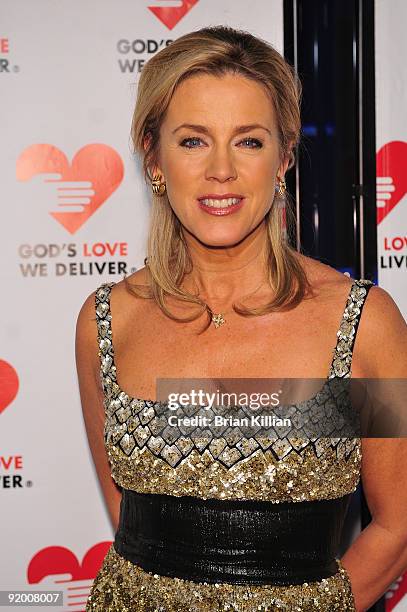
(238, 130)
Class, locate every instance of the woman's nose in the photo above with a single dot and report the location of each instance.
(220, 165)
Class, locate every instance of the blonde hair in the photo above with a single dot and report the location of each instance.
(217, 51)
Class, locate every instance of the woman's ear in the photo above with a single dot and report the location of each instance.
(153, 170)
(283, 168)
(286, 162)
(146, 141)
(291, 155)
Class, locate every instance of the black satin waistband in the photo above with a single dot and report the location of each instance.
(235, 541)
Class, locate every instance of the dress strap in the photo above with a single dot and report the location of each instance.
(346, 334)
(105, 341)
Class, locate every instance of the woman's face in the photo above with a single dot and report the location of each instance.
(213, 155)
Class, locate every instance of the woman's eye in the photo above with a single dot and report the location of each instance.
(258, 144)
(186, 140)
(255, 140)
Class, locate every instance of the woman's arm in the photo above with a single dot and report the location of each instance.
(91, 393)
(378, 556)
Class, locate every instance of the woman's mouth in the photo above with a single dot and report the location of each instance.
(222, 207)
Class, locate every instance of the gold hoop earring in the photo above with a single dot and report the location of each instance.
(157, 187)
(282, 187)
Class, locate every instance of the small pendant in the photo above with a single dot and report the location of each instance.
(218, 320)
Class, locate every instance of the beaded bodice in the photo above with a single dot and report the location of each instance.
(145, 459)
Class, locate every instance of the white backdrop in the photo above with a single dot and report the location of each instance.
(391, 158)
(68, 77)
(391, 146)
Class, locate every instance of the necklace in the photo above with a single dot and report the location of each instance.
(219, 319)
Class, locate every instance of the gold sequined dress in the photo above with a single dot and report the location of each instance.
(253, 526)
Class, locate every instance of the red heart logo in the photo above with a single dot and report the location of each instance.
(97, 163)
(391, 161)
(171, 15)
(60, 560)
(8, 384)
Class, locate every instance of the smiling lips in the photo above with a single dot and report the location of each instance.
(220, 204)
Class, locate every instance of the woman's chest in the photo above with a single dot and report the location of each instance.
(137, 447)
(269, 347)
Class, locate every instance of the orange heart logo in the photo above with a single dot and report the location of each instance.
(8, 384)
(98, 165)
(171, 15)
(391, 177)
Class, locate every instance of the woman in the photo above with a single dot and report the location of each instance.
(214, 527)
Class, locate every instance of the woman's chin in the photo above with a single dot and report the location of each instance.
(221, 239)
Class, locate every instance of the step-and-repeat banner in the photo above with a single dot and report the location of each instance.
(391, 164)
(74, 213)
(391, 148)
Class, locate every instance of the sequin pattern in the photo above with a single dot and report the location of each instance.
(342, 359)
(124, 587)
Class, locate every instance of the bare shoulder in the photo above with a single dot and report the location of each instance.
(380, 349)
(85, 323)
(139, 277)
(328, 284)
(381, 340)
(123, 299)
(123, 304)
(382, 336)
(128, 309)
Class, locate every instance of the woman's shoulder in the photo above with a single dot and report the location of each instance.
(119, 292)
(380, 308)
(381, 323)
(323, 279)
(382, 336)
(381, 340)
(116, 293)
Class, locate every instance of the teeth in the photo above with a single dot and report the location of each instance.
(221, 203)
